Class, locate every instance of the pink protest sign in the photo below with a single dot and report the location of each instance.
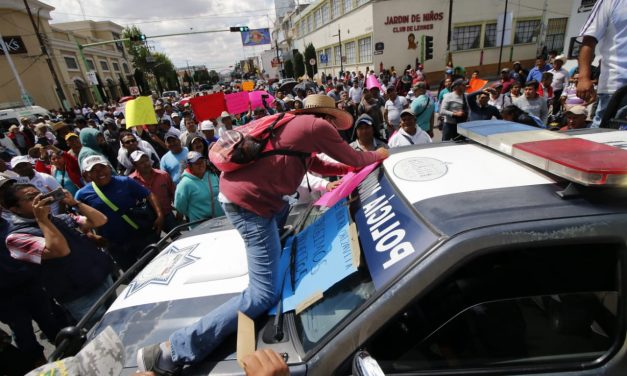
(255, 99)
(237, 103)
(348, 183)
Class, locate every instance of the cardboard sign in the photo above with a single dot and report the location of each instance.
(248, 86)
(140, 111)
(237, 103)
(245, 337)
(475, 84)
(256, 100)
(325, 254)
(208, 106)
(348, 183)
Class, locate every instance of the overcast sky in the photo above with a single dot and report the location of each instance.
(156, 17)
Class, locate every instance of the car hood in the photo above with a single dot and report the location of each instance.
(187, 280)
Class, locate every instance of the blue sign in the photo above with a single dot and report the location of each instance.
(391, 235)
(323, 257)
(324, 59)
(256, 37)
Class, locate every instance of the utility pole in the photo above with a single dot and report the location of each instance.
(498, 71)
(543, 29)
(44, 51)
(448, 35)
(339, 38)
(23, 93)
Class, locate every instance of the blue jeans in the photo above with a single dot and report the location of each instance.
(79, 307)
(263, 249)
(602, 102)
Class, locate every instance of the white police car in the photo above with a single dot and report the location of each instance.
(506, 255)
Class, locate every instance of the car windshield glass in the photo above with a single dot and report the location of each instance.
(345, 296)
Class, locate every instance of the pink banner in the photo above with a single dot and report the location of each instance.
(348, 183)
(237, 103)
(208, 107)
(255, 99)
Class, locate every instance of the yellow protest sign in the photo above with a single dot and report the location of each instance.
(248, 85)
(140, 111)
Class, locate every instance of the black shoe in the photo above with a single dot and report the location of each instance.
(148, 360)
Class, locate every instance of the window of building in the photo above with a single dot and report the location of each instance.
(325, 13)
(466, 37)
(125, 67)
(116, 66)
(348, 5)
(489, 37)
(530, 307)
(526, 31)
(556, 30)
(70, 62)
(318, 18)
(335, 8)
(586, 6)
(350, 52)
(361, 2)
(337, 52)
(309, 24)
(327, 51)
(365, 50)
(104, 65)
(302, 28)
(90, 64)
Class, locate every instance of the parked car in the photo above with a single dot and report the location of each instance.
(11, 116)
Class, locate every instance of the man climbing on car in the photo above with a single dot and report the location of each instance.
(252, 198)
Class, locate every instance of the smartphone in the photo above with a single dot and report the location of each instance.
(265, 96)
(57, 194)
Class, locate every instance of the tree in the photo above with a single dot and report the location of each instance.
(310, 53)
(123, 86)
(201, 76)
(289, 68)
(299, 64)
(214, 77)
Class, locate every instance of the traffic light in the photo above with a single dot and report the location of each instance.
(238, 29)
(428, 46)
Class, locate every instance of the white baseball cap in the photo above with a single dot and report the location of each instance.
(21, 159)
(207, 125)
(93, 160)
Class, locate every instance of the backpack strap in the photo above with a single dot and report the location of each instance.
(270, 128)
(113, 207)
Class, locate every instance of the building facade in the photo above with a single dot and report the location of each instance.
(360, 34)
(103, 75)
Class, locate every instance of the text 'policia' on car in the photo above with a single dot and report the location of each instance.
(502, 254)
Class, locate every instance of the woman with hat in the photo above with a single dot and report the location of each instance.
(252, 198)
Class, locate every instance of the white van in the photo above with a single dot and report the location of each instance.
(12, 116)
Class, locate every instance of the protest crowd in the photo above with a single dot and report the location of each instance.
(84, 193)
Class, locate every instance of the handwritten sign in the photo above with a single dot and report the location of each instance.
(348, 183)
(140, 111)
(237, 103)
(248, 86)
(208, 107)
(324, 255)
(256, 100)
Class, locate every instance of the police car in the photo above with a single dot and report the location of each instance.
(502, 254)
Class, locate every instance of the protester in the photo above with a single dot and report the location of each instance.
(106, 192)
(19, 138)
(66, 171)
(191, 131)
(167, 129)
(532, 103)
(208, 131)
(454, 107)
(196, 195)
(366, 135)
(479, 107)
(576, 118)
(535, 74)
(606, 27)
(74, 143)
(23, 166)
(392, 110)
(252, 199)
(157, 182)
(560, 81)
(174, 161)
(155, 137)
(544, 88)
(92, 144)
(423, 107)
(506, 80)
(372, 105)
(225, 123)
(515, 114)
(130, 143)
(74, 270)
(355, 93)
(409, 133)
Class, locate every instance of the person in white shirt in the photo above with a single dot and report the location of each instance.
(392, 110)
(409, 133)
(560, 81)
(355, 92)
(23, 166)
(607, 26)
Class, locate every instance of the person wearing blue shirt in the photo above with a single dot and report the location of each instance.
(536, 72)
(173, 162)
(125, 242)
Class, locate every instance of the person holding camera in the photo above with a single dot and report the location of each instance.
(74, 270)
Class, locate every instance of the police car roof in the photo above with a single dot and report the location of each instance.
(465, 186)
